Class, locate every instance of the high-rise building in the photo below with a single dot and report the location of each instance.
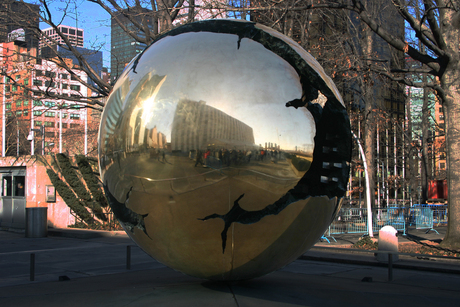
(124, 47)
(19, 15)
(51, 37)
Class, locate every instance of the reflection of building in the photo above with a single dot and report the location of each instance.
(156, 139)
(197, 125)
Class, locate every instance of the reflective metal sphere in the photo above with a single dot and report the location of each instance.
(224, 150)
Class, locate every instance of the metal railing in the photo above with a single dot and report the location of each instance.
(354, 220)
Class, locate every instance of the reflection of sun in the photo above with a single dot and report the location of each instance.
(149, 103)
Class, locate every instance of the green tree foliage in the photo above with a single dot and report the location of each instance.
(69, 197)
(91, 180)
(85, 198)
(71, 177)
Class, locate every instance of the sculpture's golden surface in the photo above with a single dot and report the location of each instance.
(216, 154)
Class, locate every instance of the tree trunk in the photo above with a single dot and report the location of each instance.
(369, 142)
(450, 84)
(425, 170)
(452, 118)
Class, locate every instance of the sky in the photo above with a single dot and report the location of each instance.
(89, 16)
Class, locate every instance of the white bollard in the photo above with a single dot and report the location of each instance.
(388, 241)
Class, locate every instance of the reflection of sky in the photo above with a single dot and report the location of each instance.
(250, 84)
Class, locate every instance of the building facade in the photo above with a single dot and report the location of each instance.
(124, 47)
(35, 123)
(51, 37)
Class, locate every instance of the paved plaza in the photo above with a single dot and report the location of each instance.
(89, 268)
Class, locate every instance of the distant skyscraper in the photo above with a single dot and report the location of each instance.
(124, 47)
(19, 15)
(75, 35)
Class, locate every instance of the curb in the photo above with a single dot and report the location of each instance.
(84, 233)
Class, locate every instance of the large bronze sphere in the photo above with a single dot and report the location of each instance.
(224, 150)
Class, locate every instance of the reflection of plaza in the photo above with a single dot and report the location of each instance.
(197, 125)
(178, 175)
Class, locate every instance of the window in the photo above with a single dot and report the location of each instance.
(50, 104)
(64, 76)
(64, 115)
(7, 88)
(71, 31)
(49, 124)
(37, 123)
(64, 30)
(9, 114)
(19, 183)
(73, 77)
(14, 88)
(26, 81)
(39, 72)
(26, 113)
(64, 86)
(8, 106)
(26, 103)
(17, 77)
(74, 126)
(7, 185)
(75, 87)
(50, 74)
(50, 84)
(79, 33)
(50, 114)
(18, 113)
(37, 113)
(38, 82)
(64, 125)
(74, 116)
(18, 103)
(37, 103)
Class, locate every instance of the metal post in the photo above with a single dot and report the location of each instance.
(368, 189)
(390, 267)
(43, 139)
(32, 267)
(128, 257)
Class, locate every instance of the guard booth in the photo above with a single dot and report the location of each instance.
(13, 197)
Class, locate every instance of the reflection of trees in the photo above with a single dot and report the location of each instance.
(196, 125)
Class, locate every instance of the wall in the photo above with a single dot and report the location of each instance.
(36, 181)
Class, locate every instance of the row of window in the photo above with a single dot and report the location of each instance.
(41, 73)
(39, 123)
(25, 113)
(64, 86)
(65, 30)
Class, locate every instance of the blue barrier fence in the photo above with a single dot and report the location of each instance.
(354, 220)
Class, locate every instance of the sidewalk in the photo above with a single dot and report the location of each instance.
(94, 263)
